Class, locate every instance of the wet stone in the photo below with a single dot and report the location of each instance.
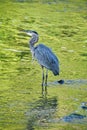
(61, 81)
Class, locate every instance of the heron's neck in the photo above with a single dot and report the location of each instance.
(33, 40)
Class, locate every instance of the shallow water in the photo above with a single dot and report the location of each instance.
(43, 111)
(22, 104)
(24, 107)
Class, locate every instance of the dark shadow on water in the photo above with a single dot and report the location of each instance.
(84, 55)
(41, 112)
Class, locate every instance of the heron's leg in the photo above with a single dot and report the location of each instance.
(46, 80)
(42, 79)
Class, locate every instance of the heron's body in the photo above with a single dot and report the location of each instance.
(46, 58)
(44, 55)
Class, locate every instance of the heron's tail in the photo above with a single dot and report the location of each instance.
(55, 72)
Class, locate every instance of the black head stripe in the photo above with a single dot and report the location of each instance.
(35, 32)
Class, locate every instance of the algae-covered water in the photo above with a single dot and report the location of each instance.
(62, 25)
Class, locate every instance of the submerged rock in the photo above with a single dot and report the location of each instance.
(61, 81)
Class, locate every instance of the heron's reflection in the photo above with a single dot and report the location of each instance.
(41, 112)
(44, 91)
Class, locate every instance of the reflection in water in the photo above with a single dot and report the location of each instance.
(41, 112)
(44, 91)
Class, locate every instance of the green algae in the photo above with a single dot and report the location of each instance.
(62, 27)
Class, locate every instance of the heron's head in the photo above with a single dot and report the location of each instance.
(31, 33)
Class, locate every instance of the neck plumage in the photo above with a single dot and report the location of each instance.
(33, 40)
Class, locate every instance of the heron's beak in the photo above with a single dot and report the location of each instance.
(27, 32)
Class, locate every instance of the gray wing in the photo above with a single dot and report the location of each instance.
(46, 58)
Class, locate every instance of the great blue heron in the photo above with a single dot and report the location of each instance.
(45, 57)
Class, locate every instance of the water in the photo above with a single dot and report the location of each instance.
(22, 105)
(43, 111)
